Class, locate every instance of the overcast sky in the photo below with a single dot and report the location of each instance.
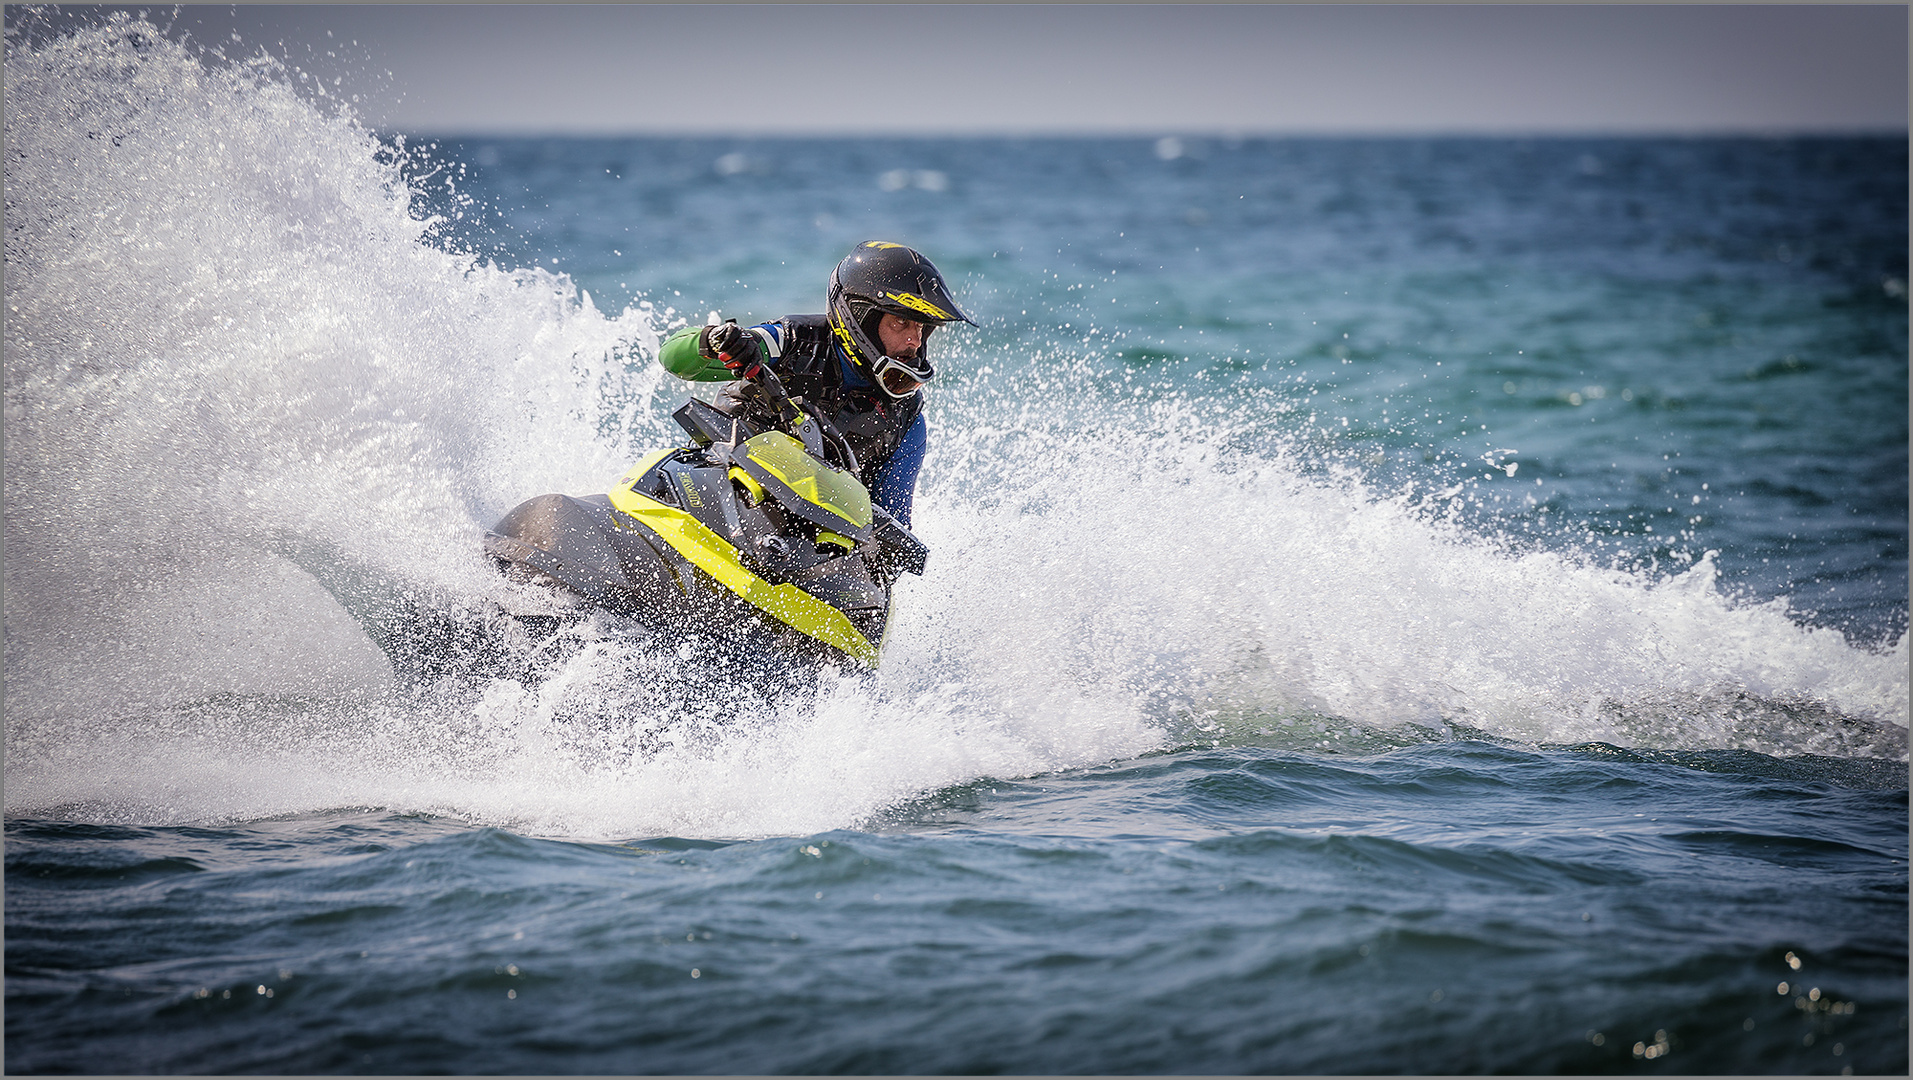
(933, 69)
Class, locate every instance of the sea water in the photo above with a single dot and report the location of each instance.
(1400, 605)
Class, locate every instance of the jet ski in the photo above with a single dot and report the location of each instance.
(757, 534)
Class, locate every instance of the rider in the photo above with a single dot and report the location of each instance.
(862, 365)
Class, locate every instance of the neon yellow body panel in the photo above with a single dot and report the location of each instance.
(710, 553)
(636, 472)
(784, 458)
(750, 484)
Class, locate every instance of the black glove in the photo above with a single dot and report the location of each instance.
(730, 345)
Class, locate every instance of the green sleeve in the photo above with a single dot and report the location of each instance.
(679, 356)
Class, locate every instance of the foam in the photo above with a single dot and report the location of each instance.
(232, 331)
(226, 327)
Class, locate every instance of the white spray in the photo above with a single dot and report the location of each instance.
(229, 332)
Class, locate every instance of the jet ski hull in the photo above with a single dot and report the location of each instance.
(747, 532)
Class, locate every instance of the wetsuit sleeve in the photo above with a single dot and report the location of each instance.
(896, 481)
(679, 356)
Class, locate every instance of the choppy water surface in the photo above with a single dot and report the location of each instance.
(1396, 606)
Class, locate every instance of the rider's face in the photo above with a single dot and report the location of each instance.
(901, 338)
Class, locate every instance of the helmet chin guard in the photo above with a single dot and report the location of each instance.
(883, 277)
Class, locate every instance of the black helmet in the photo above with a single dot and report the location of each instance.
(878, 278)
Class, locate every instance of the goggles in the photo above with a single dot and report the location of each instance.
(901, 378)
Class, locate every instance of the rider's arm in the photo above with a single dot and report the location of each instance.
(679, 356)
(895, 484)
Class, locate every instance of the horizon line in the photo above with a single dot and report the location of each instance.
(1217, 134)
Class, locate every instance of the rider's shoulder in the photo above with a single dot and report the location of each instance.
(803, 335)
(817, 326)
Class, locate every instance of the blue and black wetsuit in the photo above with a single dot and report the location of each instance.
(887, 434)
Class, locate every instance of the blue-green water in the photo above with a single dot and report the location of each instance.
(1395, 605)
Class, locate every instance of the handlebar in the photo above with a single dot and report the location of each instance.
(811, 429)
